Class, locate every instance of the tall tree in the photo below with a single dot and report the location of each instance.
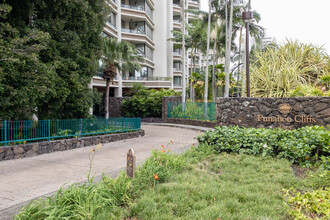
(117, 55)
(72, 51)
(24, 80)
(207, 60)
(229, 28)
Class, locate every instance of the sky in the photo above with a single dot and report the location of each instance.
(303, 20)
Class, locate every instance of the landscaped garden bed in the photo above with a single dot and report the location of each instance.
(215, 180)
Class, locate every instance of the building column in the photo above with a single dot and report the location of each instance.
(119, 90)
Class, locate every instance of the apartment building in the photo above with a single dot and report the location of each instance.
(148, 24)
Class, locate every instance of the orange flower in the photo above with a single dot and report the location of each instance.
(156, 177)
(163, 151)
(306, 158)
(163, 146)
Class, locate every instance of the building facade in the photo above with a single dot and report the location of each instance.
(148, 24)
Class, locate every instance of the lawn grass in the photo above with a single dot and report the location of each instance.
(199, 184)
(221, 186)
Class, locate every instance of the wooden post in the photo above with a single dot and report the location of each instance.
(131, 163)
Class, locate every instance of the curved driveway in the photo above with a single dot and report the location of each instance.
(28, 178)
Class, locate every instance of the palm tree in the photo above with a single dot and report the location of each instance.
(207, 60)
(118, 57)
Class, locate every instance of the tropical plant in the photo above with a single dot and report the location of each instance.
(53, 81)
(146, 103)
(121, 56)
(290, 70)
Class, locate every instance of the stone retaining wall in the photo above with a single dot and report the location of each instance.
(207, 124)
(44, 147)
(115, 110)
(287, 113)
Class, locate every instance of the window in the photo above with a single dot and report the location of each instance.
(111, 20)
(177, 80)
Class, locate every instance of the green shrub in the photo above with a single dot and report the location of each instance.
(309, 205)
(304, 145)
(146, 103)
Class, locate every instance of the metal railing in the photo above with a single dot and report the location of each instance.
(139, 8)
(192, 110)
(133, 31)
(177, 69)
(111, 24)
(22, 131)
(147, 78)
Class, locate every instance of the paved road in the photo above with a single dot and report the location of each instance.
(26, 179)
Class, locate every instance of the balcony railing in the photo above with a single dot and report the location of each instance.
(177, 53)
(177, 85)
(176, 5)
(148, 78)
(110, 24)
(176, 21)
(135, 31)
(138, 8)
(177, 69)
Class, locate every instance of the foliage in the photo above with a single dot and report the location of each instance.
(161, 163)
(304, 145)
(193, 110)
(70, 35)
(219, 187)
(193, 185)
(293, 69)
(119, 55)
(106, 199)
(309, 205)
(146, 103)
(24, 80)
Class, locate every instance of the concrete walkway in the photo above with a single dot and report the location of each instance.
(29, 178)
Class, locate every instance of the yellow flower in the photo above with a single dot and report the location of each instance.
(99, 146)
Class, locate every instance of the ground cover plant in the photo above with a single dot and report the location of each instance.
(201, 183)
(306, 146)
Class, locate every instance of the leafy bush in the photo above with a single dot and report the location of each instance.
(146, 103)
(310, 205)
(304, 145)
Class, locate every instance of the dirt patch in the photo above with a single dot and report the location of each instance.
(300, 172)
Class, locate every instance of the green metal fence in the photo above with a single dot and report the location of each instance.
(192, 110)
(19, 131)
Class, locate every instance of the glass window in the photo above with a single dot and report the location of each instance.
(177, 80)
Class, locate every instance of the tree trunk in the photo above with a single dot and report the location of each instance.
(214, 58)
(184, 56)
(228, 47)
(106, 97)
(207, 61)
(191, 83)
(239, 59)
(194, 70)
